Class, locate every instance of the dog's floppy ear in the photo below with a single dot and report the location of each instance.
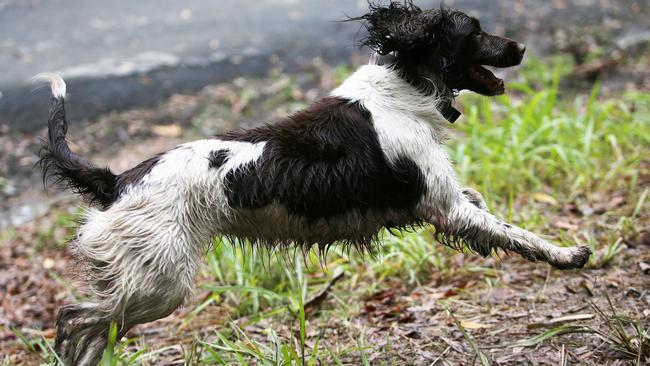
(398, 27)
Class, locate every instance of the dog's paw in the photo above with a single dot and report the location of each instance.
(579, 256)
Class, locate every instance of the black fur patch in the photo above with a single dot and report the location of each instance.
(135, 174)
(323, 162)
(218, 158)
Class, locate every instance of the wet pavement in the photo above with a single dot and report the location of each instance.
(119, 54)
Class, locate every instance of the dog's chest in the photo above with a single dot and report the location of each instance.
(405, 136)
(406, 121)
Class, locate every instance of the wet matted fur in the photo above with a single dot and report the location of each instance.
(368, 156)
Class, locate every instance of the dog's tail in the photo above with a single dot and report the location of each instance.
(63, 165)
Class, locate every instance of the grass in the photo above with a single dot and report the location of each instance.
(541, 141)
(483, 360)
(625, 334)
(628, 336)
(528, 152)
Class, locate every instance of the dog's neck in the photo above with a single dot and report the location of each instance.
(427, 85)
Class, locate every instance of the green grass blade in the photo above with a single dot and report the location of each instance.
(479, 354)
(563, 329)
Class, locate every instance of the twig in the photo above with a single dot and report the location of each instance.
(439, 357)
(315, 301)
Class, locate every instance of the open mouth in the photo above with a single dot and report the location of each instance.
(487, 79)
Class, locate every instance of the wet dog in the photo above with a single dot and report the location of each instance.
(367, 157)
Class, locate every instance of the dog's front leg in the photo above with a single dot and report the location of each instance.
(461, 217)
(475, 198)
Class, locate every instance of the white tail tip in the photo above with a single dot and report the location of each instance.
(56, 83)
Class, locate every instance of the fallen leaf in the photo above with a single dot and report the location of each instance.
(544, 198)
(616, 201)
(564, 225)
(172, 130)
(48, 263)
(645, 267)
(49, 333)
(587, 287)
(468, 324)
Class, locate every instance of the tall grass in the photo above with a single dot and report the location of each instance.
(541, 138)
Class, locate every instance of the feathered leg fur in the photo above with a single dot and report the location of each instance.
(469, 222)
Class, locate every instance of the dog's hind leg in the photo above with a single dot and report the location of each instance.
(73, 322)
(82, 330)
(466, 221)
(140, 267)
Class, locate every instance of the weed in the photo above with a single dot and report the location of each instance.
(626, 335)
(477, 351)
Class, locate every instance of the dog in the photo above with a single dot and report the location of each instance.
(367, 157)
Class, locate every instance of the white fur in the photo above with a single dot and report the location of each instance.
(156, 233)
(56, 83)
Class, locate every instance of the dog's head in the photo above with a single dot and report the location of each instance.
(446, 45)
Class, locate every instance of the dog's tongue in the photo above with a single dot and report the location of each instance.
(487, 78)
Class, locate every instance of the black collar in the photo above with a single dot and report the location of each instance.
(450, 113)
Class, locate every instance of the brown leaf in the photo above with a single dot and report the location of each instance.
(587, 287)
(500, 295)
(616, 201)
(564, 225)
(49, 333)
(172, 130)
(383, 295)
(468, 324)
(449, 293)
(544, 198)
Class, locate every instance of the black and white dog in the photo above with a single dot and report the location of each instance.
(368, 156)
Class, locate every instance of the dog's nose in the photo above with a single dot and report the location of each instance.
(521, 48)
